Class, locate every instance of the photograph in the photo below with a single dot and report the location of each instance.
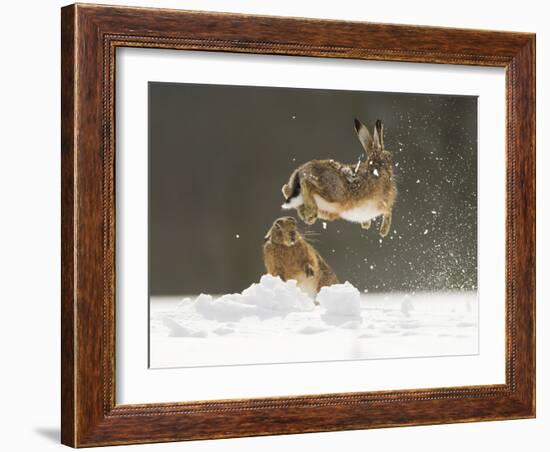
(303, 225)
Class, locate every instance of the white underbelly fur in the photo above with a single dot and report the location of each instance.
(365, 211)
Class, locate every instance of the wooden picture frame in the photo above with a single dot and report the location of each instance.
(90, 36)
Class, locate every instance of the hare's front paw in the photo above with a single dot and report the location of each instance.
(366, 224)
(308, 213)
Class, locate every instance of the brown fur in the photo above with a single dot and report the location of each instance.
(347, 186)
(288, 255)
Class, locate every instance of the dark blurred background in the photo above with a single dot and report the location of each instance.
(218, 156)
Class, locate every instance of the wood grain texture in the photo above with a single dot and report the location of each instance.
(90, 36)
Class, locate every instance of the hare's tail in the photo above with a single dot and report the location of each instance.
(292, 192)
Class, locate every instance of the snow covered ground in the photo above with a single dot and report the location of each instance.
(274, 322)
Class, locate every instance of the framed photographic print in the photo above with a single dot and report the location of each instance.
(281, 225)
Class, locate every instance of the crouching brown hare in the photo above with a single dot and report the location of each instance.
(288, 255)
(359, 192)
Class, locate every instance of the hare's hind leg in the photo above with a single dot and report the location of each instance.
(386, 223)
(308, 210)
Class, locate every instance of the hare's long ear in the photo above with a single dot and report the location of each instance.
(378, 138)
(364, 135)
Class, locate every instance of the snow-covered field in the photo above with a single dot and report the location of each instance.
(274, 322)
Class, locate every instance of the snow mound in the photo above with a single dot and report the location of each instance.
(275, 294)
(271, 297)
(342, 300)
(177, 330)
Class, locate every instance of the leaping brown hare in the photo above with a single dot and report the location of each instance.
(359, 192)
